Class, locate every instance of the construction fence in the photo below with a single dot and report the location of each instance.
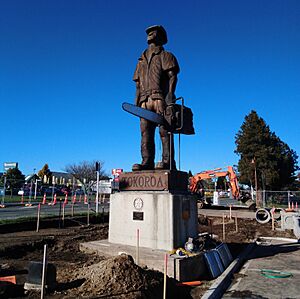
(280, 199)
(266, 198)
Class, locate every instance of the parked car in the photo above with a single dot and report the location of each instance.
(50, 190)
(223, 194)
(79, 192)
(65, 190)
(25, 192)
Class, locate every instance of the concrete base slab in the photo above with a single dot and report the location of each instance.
(181, 269)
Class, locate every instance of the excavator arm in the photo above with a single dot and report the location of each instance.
(208, 174)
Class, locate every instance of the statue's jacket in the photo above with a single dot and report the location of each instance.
(153, 76)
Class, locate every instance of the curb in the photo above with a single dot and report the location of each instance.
(281, 239)
(221, 284)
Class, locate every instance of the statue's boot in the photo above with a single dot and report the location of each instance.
(165, 165)
(147, 146)
(142, 166)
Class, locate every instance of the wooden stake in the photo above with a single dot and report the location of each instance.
(44, 271)
(211, 227)
(72, 210)
(230, 215)
(38, 218)
(137, 246)
(223, 227)
(165, 276)
(236, 223)
(88, 213)
(63, 211)
(273, 220)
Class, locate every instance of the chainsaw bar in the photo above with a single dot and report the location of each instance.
(144, 113)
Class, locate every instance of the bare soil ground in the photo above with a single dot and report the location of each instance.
(81, 275)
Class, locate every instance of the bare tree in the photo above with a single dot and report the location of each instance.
(85, 172)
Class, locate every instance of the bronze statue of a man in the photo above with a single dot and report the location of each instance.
(156, 79)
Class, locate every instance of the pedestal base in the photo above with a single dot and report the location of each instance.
(165, 220)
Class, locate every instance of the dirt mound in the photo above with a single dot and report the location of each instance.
(120, 277)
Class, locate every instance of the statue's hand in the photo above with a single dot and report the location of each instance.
(137, 101)
(170, 98)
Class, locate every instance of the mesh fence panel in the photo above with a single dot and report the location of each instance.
(280, 198)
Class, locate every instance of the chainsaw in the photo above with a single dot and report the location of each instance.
(177, 119)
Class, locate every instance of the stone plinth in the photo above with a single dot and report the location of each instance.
(165, 220)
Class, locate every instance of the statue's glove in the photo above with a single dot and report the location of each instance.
(170, 98)
(137, 101)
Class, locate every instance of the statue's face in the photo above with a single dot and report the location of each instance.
(152, 37)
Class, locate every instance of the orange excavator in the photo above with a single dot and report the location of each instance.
(196, 185)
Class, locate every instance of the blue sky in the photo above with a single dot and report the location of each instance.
(67, 66)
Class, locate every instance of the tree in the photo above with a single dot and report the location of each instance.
(45, 173)
(14, 179)
(222, 183)
(262, 151)
(85, 172)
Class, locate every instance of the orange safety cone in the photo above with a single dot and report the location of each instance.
(54, 200)
(74, 198)
(85, 199)
(44, 199)
(296, 205)
(66, 199)
(289, 205)
(292, 205)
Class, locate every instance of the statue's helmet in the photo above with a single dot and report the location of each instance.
(161, 32)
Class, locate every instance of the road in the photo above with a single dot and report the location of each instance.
(19, 211)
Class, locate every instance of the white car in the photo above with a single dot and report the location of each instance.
(21, 192)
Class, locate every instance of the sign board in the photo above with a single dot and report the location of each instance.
(104, 187)
(116, 171)
(216, 198)
(10, 165)
(153, 181)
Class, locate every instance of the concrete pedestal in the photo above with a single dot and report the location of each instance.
(165, 220)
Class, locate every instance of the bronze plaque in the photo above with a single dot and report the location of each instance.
(138, 216)
(153, 180)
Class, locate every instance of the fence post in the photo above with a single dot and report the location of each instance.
(264, 198)
(88, 213)
(289, 198)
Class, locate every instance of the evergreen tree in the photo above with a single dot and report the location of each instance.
(14, 180)
(261, 150)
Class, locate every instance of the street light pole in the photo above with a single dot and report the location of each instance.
(256, 185)
(4, 190)
(53, 186)
(35, 188)
(97, 194)
(30, 192)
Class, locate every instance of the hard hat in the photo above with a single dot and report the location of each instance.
(161, 30)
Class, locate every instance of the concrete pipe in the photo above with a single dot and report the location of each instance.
(262, 216)
(200, 204)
